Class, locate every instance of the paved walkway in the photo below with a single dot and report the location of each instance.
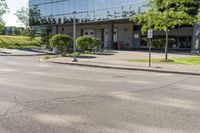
(22, 52)
(119, 60)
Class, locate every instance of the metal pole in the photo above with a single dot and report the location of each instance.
(150, 41)
(74, 38)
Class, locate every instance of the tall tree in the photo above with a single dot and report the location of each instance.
(3, 11)
(23, 16)
(34, 16)
(164, 15)
(17, 31)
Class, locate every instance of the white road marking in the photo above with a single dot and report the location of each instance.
(8, 70)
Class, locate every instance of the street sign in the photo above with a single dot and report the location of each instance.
(150, 34)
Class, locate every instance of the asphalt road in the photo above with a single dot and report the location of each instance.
(38, 97)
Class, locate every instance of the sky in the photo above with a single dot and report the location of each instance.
(13, 5)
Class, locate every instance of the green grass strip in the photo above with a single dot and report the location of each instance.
(186, 61)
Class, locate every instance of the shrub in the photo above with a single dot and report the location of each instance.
(46, 57)
(85, 43)
(72, 54)
(61, 42)
(96, 43)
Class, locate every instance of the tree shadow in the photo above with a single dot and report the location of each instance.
(3, 41)
(86, 57)
(104, 54)
(32, 50)
(6, 53)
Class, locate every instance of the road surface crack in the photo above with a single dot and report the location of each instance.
(10, 109)
(161, 87)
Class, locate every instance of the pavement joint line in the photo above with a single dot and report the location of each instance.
(122, 68)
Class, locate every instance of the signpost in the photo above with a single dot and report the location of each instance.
(150, 36)
(74, 37)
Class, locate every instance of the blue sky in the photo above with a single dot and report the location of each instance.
(13, 5)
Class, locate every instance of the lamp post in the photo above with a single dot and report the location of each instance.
(74, 37)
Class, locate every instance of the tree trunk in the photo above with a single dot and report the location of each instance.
(166, 45)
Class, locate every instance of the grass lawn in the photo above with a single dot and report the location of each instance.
(18, 42)
(187, 61)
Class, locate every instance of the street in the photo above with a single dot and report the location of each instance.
(39, 97)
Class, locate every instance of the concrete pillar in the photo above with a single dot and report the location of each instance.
(178, 42)
(81, 32)
(196, 38)
(110, 36)
(136, 37)
(54, 30)
(102, 38)
(131, 36)
(187, 41)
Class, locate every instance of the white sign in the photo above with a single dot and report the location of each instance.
(150, 33)
(136, 36)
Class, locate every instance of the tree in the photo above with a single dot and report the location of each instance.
(16, 31)
(164, 15)
(45, 37)
(34, 16)
(29, 33)
(3, 11)
(2, 31)
(2, 26)
(23, 16)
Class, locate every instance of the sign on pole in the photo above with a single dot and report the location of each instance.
(74, 38)
(150, 34)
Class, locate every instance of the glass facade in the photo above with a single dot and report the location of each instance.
(61, 11)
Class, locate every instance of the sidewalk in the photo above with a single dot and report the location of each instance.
(119, 60)
(23, 52)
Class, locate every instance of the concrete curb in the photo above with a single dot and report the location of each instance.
(122, 68)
